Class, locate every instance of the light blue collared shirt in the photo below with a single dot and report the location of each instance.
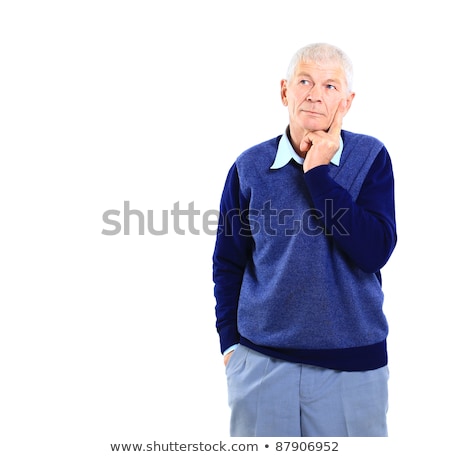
(285, 153)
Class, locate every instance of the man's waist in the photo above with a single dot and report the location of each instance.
(361, 358)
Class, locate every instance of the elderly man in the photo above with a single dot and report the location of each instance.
(306, 223)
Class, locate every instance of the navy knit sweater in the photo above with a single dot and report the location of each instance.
(298, 255)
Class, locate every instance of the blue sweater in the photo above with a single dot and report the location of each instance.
(298, 255)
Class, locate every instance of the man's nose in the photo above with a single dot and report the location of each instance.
(315, 94)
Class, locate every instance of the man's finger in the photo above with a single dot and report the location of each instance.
(306, 143)
(336, 124)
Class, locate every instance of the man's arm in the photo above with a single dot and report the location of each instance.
(233, 246)
(365, 229)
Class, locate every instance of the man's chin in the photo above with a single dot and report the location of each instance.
(313, 121)
(313, 126)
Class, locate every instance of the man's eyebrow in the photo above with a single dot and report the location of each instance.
(307, 75)
(334, 81)
(304, 73)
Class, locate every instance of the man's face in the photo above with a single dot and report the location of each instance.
(313, 95)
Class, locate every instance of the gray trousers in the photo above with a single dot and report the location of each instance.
(274, 398)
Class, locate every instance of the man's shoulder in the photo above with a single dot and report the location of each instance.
(359, 153)
(352, 138)
(260, 153)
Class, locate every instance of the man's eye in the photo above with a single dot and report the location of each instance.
(304, 82)
(330, 86)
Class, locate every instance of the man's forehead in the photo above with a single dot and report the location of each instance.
(326, 69)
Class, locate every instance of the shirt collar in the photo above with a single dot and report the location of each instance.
(285, 153)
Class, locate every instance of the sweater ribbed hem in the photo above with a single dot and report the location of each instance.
(361, 358)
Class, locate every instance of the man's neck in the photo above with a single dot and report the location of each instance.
(295, 141)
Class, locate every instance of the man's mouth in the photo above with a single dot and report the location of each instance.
(312, 113)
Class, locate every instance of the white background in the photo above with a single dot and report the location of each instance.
(111, 339)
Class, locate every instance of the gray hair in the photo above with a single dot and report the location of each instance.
(322, 52)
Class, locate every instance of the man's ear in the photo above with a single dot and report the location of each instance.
(349, 101)
(283, 87)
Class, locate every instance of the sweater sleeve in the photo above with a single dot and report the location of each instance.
(364, 229)
(233, 245)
